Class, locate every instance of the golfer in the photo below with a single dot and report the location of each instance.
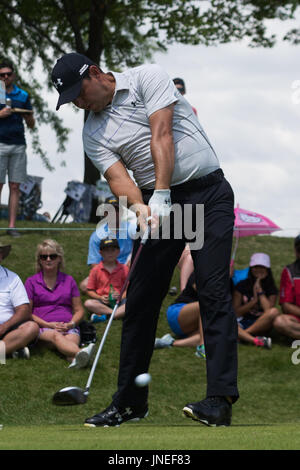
(139, 121)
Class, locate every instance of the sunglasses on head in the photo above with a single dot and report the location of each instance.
(4, 74)
(52, 256)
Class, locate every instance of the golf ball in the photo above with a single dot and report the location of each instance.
(142, 380)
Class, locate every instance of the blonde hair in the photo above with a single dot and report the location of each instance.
(52, 245)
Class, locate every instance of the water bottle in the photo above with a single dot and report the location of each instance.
(8, 102)
(112, 301)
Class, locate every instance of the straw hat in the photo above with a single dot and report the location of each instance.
(4, 249)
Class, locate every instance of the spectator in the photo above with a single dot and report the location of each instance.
(254, 302)
(123, 231)
(180, 85)
(12, 141)
(184, 320)
(56, 305)
(17, 329)
(288, 324)
(105, 283)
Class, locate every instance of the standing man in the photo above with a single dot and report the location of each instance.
(12, 141)
(139, 121)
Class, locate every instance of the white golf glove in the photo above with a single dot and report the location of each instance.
(160, 204)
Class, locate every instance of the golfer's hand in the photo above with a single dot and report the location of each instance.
(142, 212)
(160, 204)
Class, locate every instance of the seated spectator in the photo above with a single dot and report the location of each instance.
(105, 283)
(184, 320)
(17, 329)
(254, 302)
(288, 323)
(123, 231)
(56, 305)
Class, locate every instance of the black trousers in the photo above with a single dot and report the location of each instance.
(150, 283)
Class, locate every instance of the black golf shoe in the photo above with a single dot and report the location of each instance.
(213, 411)
(113, 416)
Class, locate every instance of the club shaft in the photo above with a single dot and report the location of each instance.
(124, 287)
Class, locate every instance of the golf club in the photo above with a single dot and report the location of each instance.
(76, 395)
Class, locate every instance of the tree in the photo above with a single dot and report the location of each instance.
(123, 33)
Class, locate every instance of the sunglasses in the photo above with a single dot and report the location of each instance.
(45, 257)
(4, 74)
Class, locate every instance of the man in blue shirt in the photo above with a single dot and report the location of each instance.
(124, 231)
(12, 140)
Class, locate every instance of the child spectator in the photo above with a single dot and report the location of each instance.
(105, 283)
(254, 301)
(288, 324)
(184, 320)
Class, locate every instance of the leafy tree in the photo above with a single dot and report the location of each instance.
(123, 33)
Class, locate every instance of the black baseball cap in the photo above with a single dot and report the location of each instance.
(179, 81)
(109, 242)
(67, 76)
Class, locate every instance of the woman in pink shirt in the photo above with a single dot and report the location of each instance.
(56, 305)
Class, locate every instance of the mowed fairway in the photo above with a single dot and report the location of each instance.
(151, 437)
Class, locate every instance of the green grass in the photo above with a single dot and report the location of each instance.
(265, 417)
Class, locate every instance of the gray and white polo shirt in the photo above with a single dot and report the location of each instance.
(122, 132)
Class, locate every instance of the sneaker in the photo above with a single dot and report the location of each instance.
(213, 411)
(21, 353)
(113, 416)
(165, 342)
(82, 358)
(98, 318)
(13, 232)
(200, 352)
(173, 290)
(263, 342)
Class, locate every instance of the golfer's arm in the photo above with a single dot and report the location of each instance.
(162, 146)
(121, 184)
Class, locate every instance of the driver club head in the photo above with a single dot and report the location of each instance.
(70, 396)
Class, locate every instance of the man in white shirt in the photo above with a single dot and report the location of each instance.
(139, 121)
(16, 328)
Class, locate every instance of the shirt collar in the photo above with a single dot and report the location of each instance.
(14, 91)
(40, 278)
(3, 272)
(122, 83)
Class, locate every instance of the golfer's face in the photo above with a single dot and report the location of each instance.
(93, 96)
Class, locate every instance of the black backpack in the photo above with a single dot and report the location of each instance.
(88, 333)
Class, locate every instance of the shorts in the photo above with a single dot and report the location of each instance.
(13, 161)
(72, 331)
(172, 317)
(247, 321)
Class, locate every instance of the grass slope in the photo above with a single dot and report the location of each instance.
(266, 416)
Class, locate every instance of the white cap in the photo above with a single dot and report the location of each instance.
(260, 259)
